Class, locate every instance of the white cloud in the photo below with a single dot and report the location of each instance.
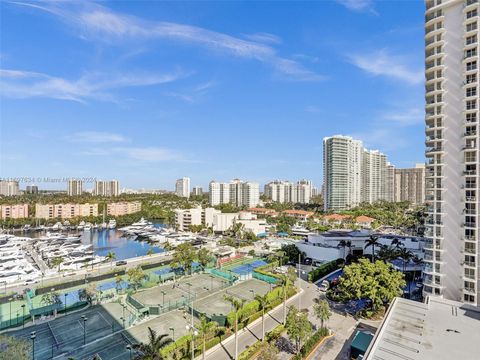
(96, 137)
(97, 21)
(382, 63)
(192, 94)
(264, 38)
(385, 139)
(406, 117)
(98, 86)
(357, 5)
(150, 154)
(312, 109)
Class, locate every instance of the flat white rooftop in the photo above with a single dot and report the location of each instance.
(437, 329)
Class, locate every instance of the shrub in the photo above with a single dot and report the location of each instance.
(253, 349)
(324, 270)
(311, 343)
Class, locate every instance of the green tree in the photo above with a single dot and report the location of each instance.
(237, 306)
(344, 244)
(263, 304)
(88, 293)
(291, 251)
(111, 256)
(183, 256)
(57, 262)
(135, 276)
(298, 327)
(206, 328)
(376, 281)
(406, 256)
(152, 349)
(150, 252)
(268, 351)
(204, 256)
(14, 348)
(50, 298)
(372, 241)
(322, 311)
(118, 282)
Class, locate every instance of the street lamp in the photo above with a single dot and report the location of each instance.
(33, 335)
(253, 293)
(10, 319)
(84, 329)
(66, 294)
(129, 348)
(23, 318)
(123, 321)
(194, 333)
(163, 297)
(173, 333)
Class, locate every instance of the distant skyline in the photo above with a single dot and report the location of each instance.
(149, 92)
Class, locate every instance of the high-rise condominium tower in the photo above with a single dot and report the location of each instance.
(342, 163)
(9, 188)
(237, 192)
(452, 157)
(107, 188)
(182, 187)
(75, 187)
(410, 184)
(288, 192)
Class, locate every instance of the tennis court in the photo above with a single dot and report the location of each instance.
(248, 268)
(65, 334)
(216, 305)
(188, 288)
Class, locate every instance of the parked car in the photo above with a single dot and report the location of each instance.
(121, 263)
(324, 285)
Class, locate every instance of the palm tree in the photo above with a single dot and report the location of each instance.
(237, 305)
(111, 256)
(416, 261)
(372, 241)
(280, 254)
(57, 262)
(322, 311)
(150, 252)
(151, 350)
(406, 256)
(205, 327)
(344, 244)
(263, 304)
(285, 282)
(396, 243)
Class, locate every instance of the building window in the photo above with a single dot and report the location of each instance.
(470, 156)
(472, 65)
(471, 91)
(471, 40)
(471, 117)
(472, 26)
(470, 53)
(472, 13)
(471, 104)
(469, 298)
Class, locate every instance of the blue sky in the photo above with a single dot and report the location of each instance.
(147, 92)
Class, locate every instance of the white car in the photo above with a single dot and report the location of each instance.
(324, 285)
(30, 281)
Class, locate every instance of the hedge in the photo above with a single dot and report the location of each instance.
(324, 270)
(252, 350)
(311, 343)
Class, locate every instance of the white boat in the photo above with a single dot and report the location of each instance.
(81, 225)
(87, 227)
(112, 224)
(104, 225)
(142, 222)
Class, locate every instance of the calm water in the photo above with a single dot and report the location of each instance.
(105, 240)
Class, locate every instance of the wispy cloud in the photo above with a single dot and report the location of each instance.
(385, 139)
(98, 86)
(382, 63)
(96, 137)
(138, 154)
(406, 117)
(312, 109)
(358, 5)
(98, 22)
(193, 94)
(264, 38)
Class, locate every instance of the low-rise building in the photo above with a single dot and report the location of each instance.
(123, 208)
(263, 211)
(185, 218)
(436, 329)
(17, 211)
(65, 211)
(300, 215)
(364, 221)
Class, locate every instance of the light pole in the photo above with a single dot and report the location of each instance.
(129, 348)
(163, 297)
(65, 303)
(253, 293)
(173, 333)
(33, 335)
(84, 329)
(123, 321)
(10, 319)
(23, 318)
(194, 333)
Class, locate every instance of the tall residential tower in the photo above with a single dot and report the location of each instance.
(452, 158)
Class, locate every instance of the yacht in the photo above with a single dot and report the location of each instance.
(112, 224)
(142, 222)
(87, 227)
(81, 225)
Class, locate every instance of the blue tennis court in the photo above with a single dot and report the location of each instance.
(112, 285)
(248, 268)
(163, 271)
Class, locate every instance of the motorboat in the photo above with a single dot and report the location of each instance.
(112, 224)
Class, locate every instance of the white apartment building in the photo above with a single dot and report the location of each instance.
(374, 176)
(283, 191)
(106, 188)
(184, 218)
(410, 184)
(342, 164)
(9, 188)
(74, 187)
(182, 187)
(197, 191)
(237, 192)
(452, 159)
(219, 193)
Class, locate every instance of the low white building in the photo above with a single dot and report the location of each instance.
(184, 218)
